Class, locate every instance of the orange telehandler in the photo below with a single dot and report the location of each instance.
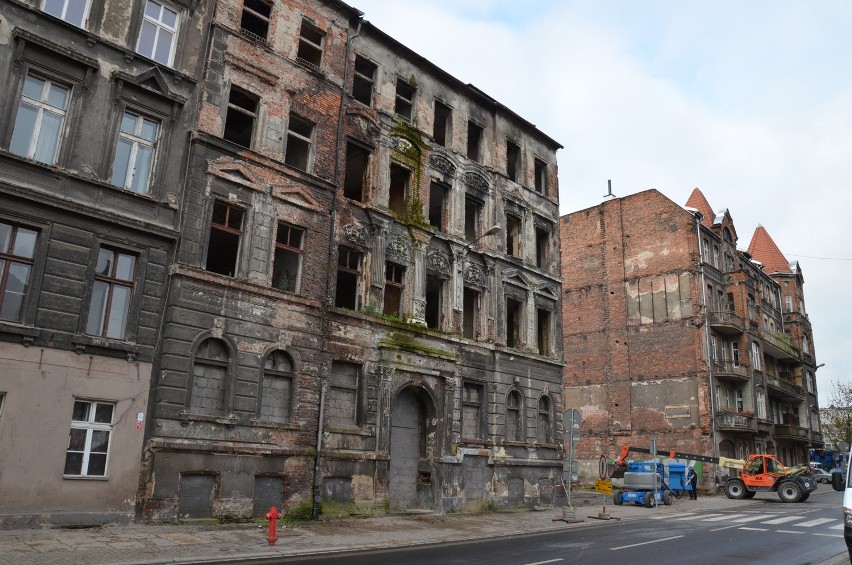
(759, 473)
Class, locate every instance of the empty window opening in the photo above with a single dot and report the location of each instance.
(472, 396)
(111, 292)
(348, 276)
(540, 176)
(513, 235)
(542, 248)
(394, 287)
(441, 129)
(437, 197)
(310, 45)
(254, 23)
(17, 250)
(404, 99)
(471, 218)
(226, 230)
(434, 301)
(357, 161)
(398, 189)
(513, 161)
(513, 417)
(513, 323)
(470, 313)
(543, 331)
(239, 121)
(300, 134)
(287, 264)
(364, 80)
(342, 401)
(474, 141)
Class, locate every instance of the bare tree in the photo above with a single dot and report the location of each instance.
(837, 418)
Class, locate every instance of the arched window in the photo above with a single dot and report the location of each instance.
(209, 378)
(514, 418)
(276, 388)
(545, 432)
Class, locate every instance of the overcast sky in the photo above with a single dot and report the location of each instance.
(749, 101)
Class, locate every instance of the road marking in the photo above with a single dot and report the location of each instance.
(644, 543)
(830, 535)
(782, 520)
(724, 517)
(788, 532)
(837, 527)
(754, 529)
(543, 562)
(751, 518)
(723, 528)
(816, 522)
(693, 516)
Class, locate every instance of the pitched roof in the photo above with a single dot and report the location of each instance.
(697, 201)
(763, 249)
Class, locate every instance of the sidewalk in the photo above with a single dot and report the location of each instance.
(195, 543)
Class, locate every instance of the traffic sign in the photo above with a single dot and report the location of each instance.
(603, 467)
(603, 486)
(572, 417)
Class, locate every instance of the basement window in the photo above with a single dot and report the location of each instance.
(223, 247)
(513, 322)
(540, 176)
(357, 160)
(300, 133)
(348, 277)
(441, 129)
(543, 331)
(363, 81)
(542, 248)
(434, 301)
(394, 287)
(254, 23)
(513, 160)
(513, 235)
(287, 264)
(470, 312)
(437, 197)
(240, 118)
(474, 141)
(399, 177)
(404, 99)
(310, 45)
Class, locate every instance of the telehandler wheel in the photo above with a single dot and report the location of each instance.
(749, 494)
(616, 497)
(790, 492)
(667, 498)
(804, 497)
(650, 502)
(735, 489)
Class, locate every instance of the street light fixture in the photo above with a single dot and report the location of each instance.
(491, 231)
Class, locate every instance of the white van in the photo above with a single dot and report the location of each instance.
(841, 479)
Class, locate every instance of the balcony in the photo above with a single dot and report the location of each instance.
(726, 322)
(778, 345)
(816, 439)
(783, 431)
(727, 370)
(764, 427)
(738, 422)
(787, 389)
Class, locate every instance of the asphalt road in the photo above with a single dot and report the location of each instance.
(763, 530)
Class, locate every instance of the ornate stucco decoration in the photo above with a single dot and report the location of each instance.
(438, 262)
(355, 234)
(476, 181)
(442, 164)
(401, 144)
(473, 275)
(399, 249)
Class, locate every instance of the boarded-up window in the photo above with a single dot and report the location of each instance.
(472, 395)
(513, 417)
(276, 392)
(209, 374)
(268, 492)
(545, 426)
(342, 402)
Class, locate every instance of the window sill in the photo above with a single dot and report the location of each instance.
(275, 425)
(463, 442)
(85, 478)
(12, 328)
(347, 430)
(106, 345)
(547, 445)
(507, 443)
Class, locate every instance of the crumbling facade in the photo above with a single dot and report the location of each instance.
(95, 114)
(673, 333)
(363, 313)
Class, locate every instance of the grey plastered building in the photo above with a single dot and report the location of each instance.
(94, 115)
(344, 326)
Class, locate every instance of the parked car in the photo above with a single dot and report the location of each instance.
(821, 475)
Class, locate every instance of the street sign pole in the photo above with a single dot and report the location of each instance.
(571, 420)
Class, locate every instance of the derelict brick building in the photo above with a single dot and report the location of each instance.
(364, 310)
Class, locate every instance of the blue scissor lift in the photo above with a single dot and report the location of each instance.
(639, 483)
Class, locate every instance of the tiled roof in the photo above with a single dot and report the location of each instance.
(763, 249)
(697, 201)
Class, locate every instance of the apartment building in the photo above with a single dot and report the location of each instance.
(672, 332)
(98, 103)
(363, 314)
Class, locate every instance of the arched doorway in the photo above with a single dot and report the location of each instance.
(410, 473)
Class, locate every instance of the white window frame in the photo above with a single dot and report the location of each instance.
(760, 402)
(756, 360)
(83, 25)
(91, 426)
(158, 26)
(137, 141)
(42, 107)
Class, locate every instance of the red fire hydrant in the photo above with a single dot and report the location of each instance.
(272, 516)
